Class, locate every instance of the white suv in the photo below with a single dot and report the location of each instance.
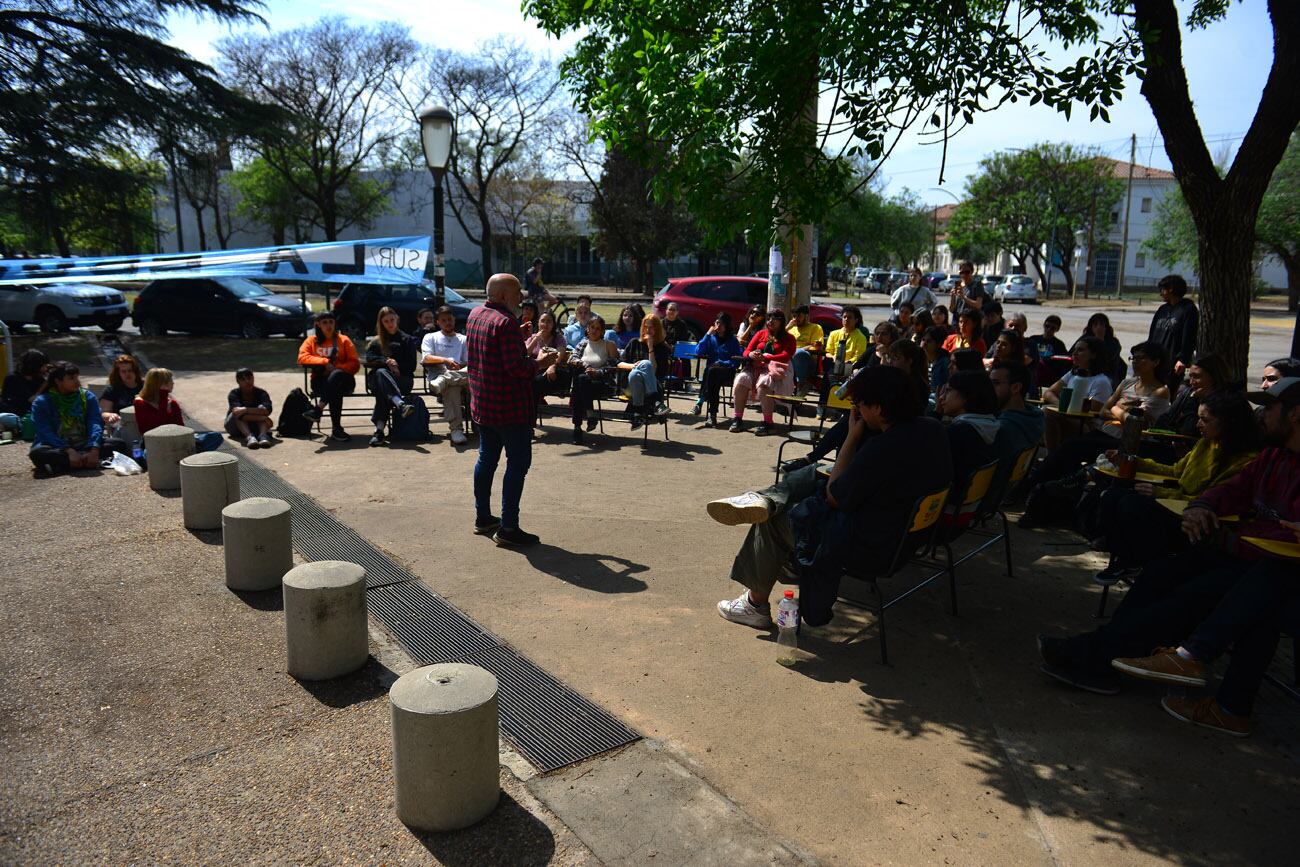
(1017, 287)
(57, 307)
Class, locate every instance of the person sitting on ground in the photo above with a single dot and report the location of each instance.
(812, 530)
(23, 386)
(527, 317)
(967, 335)
(332, 359)
(1188, 608)
(628, 327)
(766, 371)
(1020, 425)
(443, 355)
(1112, 362)
(902, 320)
(124, 382)
(936, 356)
(576, 331)
(940, 315)
(808, 343)
(593, 363)
(646, 360)
(993, 324)
(68, 423)
(1009, 346)
(1085, 356)
(970, 404)
(913, 292)
(849, 334)
(675, 328)
(752, 325)
(425, 322)
(155, 407)
(1206, 375)
(1134, 528)
(390, 365)
(719, 348)
(249, 414)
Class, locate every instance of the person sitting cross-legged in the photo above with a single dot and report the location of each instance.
(547, 340)
(854, 519)
(249, 414)
(646, 361)
(390, 360)
(68, 424)
(766, 371)
(444, 356)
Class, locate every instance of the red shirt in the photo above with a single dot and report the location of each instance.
(148, 417)
(783, 346)
(1266, 489)
(500, 370)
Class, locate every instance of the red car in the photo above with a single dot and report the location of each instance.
(700, 299)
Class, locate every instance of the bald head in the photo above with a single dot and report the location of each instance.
(504, 289)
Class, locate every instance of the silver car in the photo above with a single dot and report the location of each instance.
(56, 307)
(1017, 287)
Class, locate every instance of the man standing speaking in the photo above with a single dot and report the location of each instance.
(501, 404)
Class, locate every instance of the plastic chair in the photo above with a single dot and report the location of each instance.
(810, 438)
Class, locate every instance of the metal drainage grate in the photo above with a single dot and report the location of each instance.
(549, 724)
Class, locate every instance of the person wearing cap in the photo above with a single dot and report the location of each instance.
(333, 362)
(1223, 593)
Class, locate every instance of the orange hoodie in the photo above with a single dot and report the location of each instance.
(346, 360)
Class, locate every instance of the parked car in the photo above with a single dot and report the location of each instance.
(860, 276)
(56, 307)
(933, 278)
(878, 281)
(357, 305)
(953, 279)
(993, 279)
(1017, 287)
(217, 305)
(700, 299)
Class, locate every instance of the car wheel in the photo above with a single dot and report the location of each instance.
(253, 328)
(352, 327)
(112, 326)
(51, 321)
(150, 326)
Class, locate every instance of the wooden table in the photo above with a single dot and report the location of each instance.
(1276, 547)
(1086, 414)
(1169, 435)
(1178, 507)
(1139, 477)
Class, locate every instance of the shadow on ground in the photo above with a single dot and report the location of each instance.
(510, 835)
(588, 571)
(369, 682)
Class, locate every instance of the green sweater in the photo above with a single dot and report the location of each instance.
(1195, 470)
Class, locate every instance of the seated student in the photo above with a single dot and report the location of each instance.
(443, 355)
(850, 334)
(719, 349)
(1085, 355)
(425, 322)
(646, 360)
(675, 329)
(884, 334)
(22, 387)
(628, 326)
(766, 371)
(1206, 375)
(937, 357)
(124, 382)
(1020, 425)
(68, 423)
(555, 379)
(593, 365)
(333, 362)
(576, 330)
(1221, 587)
(1047, 344)
(940, 316)
(965, 359)
(1135, 529)
(856, 519)
(1110, 362)
(155, 407)
(808, 342)
(1009, 346)
(969, 404)
(922, 322)
(390, 362)
(249, 415)
(527, 317)
(1019, 323)
(993, 323)
(753, 324)
(903, 319)
(967, 336)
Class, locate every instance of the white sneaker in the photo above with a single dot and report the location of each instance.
(741, 610)
(747, 508)
(252, 443)
(458, 438)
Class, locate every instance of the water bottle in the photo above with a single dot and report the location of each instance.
(136, 451)
(839, 357)
(1131, 431)
(787, 621)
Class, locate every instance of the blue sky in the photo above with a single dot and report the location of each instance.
(1227, 65)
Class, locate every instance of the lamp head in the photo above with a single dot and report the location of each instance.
(436, 129)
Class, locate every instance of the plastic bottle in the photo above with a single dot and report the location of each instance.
(839, 357)
(136, 451)
(787, 621)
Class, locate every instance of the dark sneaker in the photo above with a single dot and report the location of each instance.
(661, 409)
(796, 464)
(1100, 683)
(1163, 666)
(406, 410)
(591, 424)
(736, 426)
(514, 538)
(637, 422)
(763, 429)
(313, 414)
(697, 409)
(377, 439)
(577, 435)
(339, 435)
(1207, 713)
(486, 526)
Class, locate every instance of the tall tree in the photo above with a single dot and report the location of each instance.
(266, 198)
(503, 99)
(341, 135)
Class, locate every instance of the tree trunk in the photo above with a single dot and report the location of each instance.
(203, 234)
(1292, 265)
(1225, 244)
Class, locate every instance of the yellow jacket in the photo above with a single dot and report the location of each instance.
(806, 336)
(1195, 470)
(854, 345)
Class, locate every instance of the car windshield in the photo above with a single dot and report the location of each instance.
(244, 288)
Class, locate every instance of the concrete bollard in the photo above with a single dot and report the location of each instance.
(445, 732)
(166, 445)
(130, 431)
(257, 534)
(325, 619)
(209, 483)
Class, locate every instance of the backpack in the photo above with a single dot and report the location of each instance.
(292, 423)
(415, 427)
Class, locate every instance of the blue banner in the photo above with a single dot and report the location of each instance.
(378, 260)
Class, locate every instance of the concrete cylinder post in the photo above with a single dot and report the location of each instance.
(209, 483)
(445, 732)
(257, 534)
(325, 619)
(130, 431)
(166, 445)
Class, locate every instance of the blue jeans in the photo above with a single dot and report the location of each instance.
(804, 364)
(517, 440)
(641, 381)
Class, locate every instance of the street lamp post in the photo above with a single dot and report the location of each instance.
(934, 242)
(436, 129)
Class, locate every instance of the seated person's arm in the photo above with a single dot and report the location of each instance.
(844, 457)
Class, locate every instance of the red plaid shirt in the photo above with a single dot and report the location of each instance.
(500, 369)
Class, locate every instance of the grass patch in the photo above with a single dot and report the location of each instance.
(272, 354)
(79, 349)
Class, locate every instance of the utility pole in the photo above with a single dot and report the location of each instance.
(1128, 206)
(1087, 254)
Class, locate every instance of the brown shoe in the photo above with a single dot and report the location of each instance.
(1207, 713)
(1165, 666)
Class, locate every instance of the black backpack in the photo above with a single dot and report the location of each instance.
(415, 427)
(292, 422)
